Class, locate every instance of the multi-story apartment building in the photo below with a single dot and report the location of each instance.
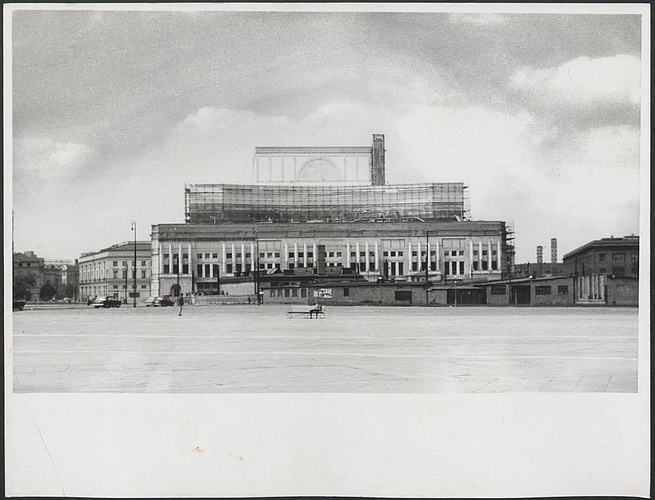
(111, 272)
(28, 275)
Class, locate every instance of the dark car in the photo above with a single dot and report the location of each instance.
(106, 302)
(164, 301)
(18, 305)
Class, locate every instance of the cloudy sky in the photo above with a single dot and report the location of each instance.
(114, 111)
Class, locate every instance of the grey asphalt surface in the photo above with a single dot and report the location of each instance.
(259, 349)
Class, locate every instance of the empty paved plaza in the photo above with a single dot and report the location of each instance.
(255, 349)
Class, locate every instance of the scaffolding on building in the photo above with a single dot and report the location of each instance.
(217, 203)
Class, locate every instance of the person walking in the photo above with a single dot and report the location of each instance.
(180, 301)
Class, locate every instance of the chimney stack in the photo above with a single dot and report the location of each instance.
(540, 254)
(553, 250)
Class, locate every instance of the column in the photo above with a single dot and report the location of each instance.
(223, 261)
(357, 256)
(378, 265)
(489, 254)
(286, 255)
(315, 259)
(471, 258)
(347, 254)
(170, 258)
(480, 255)
(253, 258)
(179, 260)
(243, 257)
(420, 257)
(366, 259)
(190, 258)
(498, 255)
(304, 253)
(295, 254)
(427, 255)
(234, 259)
(160, 260)
(409, 257)
(436, 256)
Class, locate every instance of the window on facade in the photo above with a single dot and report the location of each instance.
(166, 269)
(229, 268)
(330, 254)
(601, 257)
(115, 287)
(618, 258)
(247, 255)
(446, 267)
(143, 274)
(310, 255)
(475, 265)
(228, 255)
(385, 254)
(115, 274)
(485, 265)
(346, 292)
(277, 255)
(338, 254)
(279, 293)
(165, 256)
(461, 267)
(562, 290)
(303, 293)
(199, 270)
(498, 289)
(414, 266)
(542, 290)
(403, 295)
(294, 292)
(414, 253)
(271, 293)
(115, 263)
(124, 263)
(400, 254)
(475, 252)
(199, 256)
(143, 287)
(291, 265)
(362, 254)
(371, 266)
(286, 292)
(494, 265)
(124, 274)
(433, 266)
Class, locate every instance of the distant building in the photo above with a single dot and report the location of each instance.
(27, 266)
(600, 265)
(110, 272)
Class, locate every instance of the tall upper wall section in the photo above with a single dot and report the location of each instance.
(362, 165)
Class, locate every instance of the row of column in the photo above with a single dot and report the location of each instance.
(296, 259)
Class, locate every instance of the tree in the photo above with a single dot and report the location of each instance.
(47, 292)
(22, 286)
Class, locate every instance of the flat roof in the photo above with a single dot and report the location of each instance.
(629, 241)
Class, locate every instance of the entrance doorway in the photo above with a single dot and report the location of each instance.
(521, 295)
(175, 290)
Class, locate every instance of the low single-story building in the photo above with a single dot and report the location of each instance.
(551, 291)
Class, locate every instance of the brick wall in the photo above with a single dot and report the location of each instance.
(622, 291)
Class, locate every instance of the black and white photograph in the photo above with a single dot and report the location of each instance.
(313, 249)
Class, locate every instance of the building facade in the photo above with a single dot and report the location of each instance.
(320, 209)
(189, 258)
(111, 272)
(28, 275)
(598, 261)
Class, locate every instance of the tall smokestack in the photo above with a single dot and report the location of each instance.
(377, 163)
(553, 250)
(540, 254)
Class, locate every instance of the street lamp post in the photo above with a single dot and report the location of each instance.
(134, 265)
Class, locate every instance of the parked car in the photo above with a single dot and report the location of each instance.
(106, 302)
(164, 301)
(18, 305)
(160, 301)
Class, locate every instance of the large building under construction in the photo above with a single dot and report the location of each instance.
(325, 211)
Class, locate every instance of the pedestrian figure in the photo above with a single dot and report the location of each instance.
(181, 302)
